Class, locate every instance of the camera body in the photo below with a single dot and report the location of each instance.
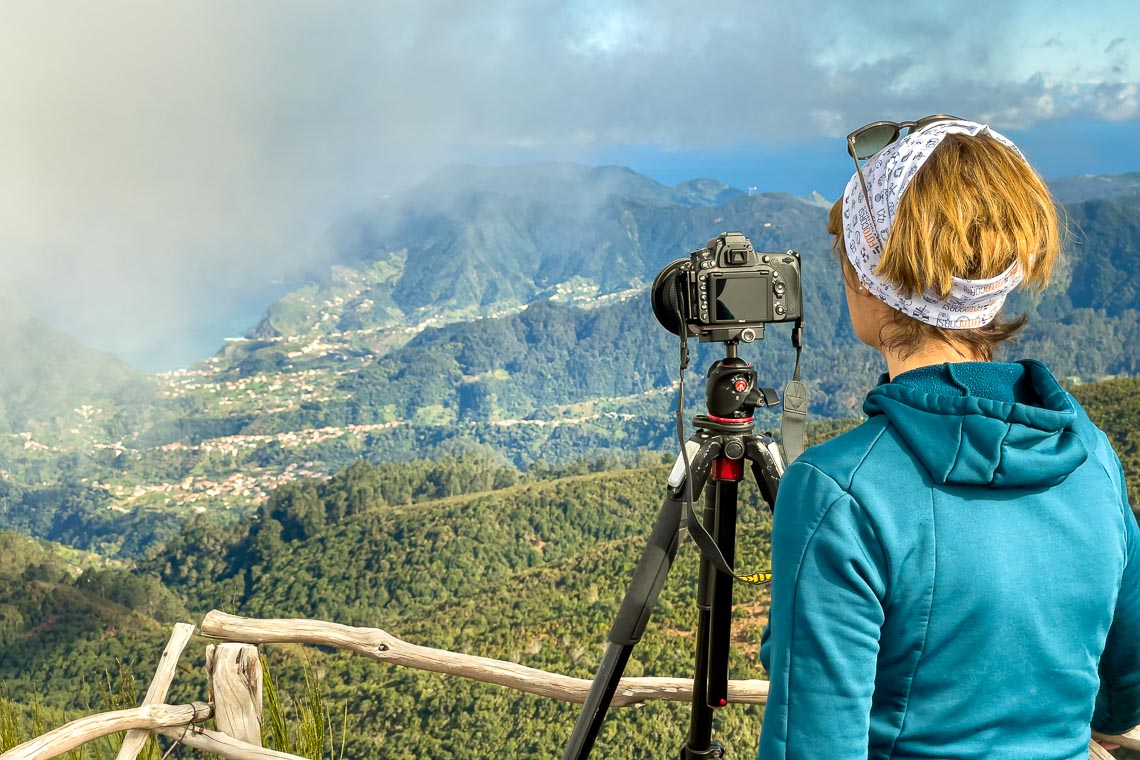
(727, 291)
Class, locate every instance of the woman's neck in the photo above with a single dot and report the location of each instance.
(931, 354)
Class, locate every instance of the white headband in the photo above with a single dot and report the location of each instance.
(970, 303)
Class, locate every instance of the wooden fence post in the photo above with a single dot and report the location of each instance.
(156, 695)
(1097, 752)
(234, 677)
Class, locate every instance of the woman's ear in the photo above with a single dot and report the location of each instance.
(853, 282)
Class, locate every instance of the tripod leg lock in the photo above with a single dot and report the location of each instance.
(714, 752)
(701, 449)
(767, 466)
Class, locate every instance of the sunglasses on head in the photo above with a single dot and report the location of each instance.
(869, 139)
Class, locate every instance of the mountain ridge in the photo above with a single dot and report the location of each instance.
(545, 353)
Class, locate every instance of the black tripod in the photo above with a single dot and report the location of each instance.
(723, 440)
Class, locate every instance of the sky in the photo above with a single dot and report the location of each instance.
(166, 166)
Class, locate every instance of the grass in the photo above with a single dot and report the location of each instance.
(20, 722)
(301, 725)
(310, 715)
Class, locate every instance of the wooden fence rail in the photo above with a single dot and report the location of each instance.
(235, 687)
(380, 645)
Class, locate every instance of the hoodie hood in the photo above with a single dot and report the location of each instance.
(984, 423)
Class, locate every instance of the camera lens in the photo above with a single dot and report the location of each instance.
(667, 299)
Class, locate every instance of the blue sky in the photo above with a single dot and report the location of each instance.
(1057, 149)
(160, 157)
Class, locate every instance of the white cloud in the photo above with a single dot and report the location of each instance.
(156, 154)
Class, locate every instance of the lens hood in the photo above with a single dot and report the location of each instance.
(667, 293)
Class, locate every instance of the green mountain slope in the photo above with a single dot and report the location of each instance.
(301, 552)
(67, 620)
(62, 408)
(1088, 187)
(1114, 405)
(488, 248)
(534, 340)
(49, 381)
(492, 230)
(464, 555)
(532, 573)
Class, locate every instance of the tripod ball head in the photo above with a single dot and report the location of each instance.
(730, 391)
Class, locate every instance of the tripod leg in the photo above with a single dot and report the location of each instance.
(714, 623)
(723, 525)
(628, 626)
(767, 466)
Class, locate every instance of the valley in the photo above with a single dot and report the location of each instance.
(460, 433)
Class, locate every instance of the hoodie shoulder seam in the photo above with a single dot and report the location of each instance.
(847, 491)
(870, 447)
(850, 474)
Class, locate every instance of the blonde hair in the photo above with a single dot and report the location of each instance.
(972, 210)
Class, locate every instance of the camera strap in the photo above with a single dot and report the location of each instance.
(795, 404)
(704, 541)
(691, 523)
(712, 552)
(792, 431)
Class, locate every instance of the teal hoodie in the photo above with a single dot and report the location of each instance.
(958, 577)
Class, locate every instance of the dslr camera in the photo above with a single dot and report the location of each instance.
(727, 291)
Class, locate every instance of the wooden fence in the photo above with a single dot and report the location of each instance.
(235, 689)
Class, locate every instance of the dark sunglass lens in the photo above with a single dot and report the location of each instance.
(870, 140)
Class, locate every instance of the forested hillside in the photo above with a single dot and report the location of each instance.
(504, 311)
(459, 435)
(530, 572)
(1115, 407)
(463, 554)
(52, 387)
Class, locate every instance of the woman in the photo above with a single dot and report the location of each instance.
(959, 576)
